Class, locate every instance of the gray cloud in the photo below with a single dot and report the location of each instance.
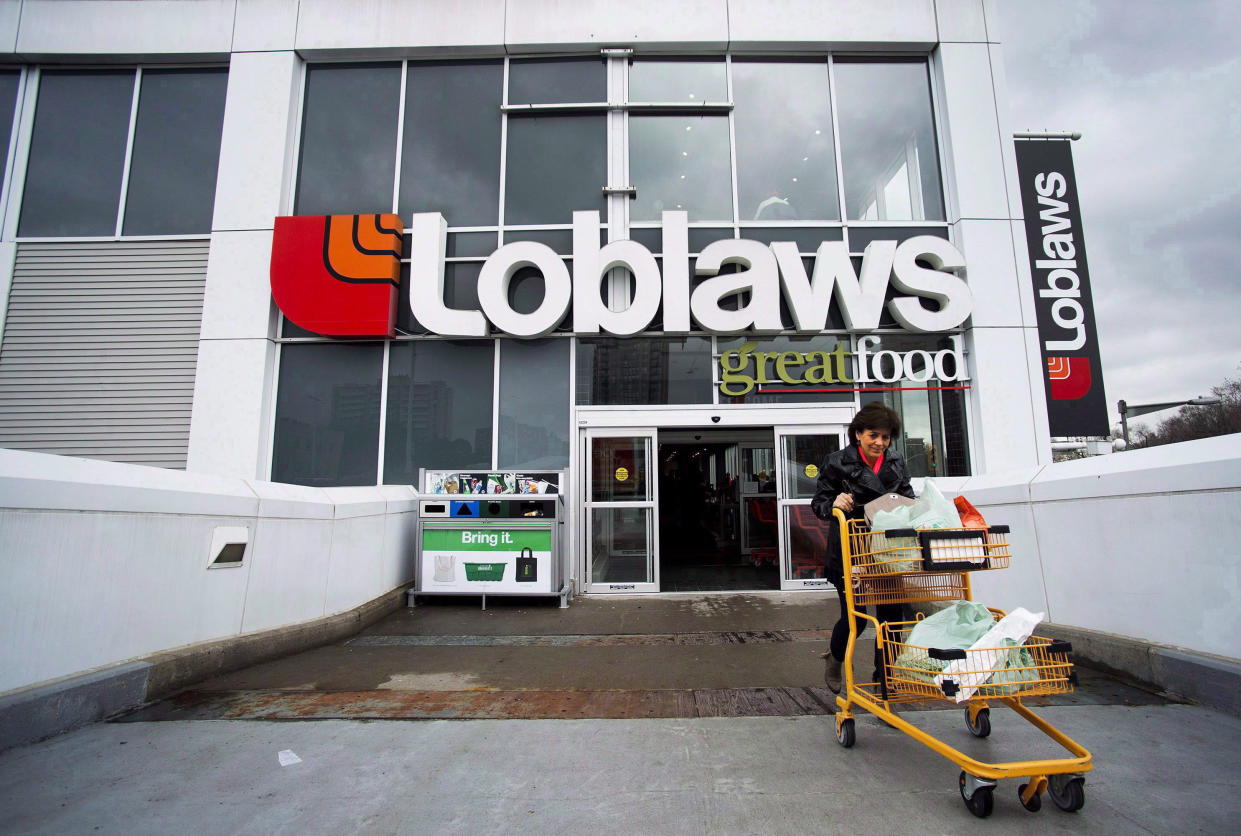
(1153, 88)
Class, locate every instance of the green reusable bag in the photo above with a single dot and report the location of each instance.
(959, 625)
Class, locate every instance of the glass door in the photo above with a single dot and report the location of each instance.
(803, 536)
(758, 502)
(621, 511)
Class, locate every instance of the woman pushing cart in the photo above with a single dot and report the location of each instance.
(894, 567)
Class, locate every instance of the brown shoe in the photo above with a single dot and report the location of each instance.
(831, 673)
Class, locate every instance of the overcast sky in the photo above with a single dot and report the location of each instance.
(1155, 89)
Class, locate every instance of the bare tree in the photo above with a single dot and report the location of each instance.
(1192, 422)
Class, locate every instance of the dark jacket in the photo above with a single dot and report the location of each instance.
(845, 472)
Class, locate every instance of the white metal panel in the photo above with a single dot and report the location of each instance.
(971, 132)
(991, 272)
(288, 572)
(356, 564)
(259, 123)
(237, 300)
(10, 14)
(999, 83)
(406, 25)
(265, 25)
(230, 420)
(961, 20)
(790, 24)
(131, 27)
(650, 24)
(1002, 418)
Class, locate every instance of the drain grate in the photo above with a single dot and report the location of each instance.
(633, 640)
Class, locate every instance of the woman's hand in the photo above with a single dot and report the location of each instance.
(844, 502)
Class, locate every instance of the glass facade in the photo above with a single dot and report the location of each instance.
(84, 177)
(805, 150)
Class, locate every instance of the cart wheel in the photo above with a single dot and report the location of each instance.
(982, 802)
(982, 728)
(1067, 792)
(1036, 803)
(845, 733)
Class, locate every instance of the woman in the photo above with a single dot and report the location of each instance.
(850, 478)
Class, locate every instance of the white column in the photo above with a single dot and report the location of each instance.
(1008, 415)
(230, 425)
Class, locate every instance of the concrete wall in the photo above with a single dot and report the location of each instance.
(105, 562)
(1144, 544)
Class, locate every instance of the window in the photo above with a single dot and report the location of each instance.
(643, 371)
(887, 140)
(451, 142)
(932, 438)
(534, 404)
(76, 172)
(8, 101)
(439, 407)
(786, 162)
(348, 152)
(327, 414)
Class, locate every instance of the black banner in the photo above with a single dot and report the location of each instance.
(1072, 372)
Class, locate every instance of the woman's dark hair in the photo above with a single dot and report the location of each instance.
(874, 416)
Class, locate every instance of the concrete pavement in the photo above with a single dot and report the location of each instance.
(1159, 769)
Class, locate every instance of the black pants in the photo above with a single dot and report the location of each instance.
(840, 632)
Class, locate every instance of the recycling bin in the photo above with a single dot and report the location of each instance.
(490, 542)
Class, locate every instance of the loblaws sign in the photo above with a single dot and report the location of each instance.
(338, 276)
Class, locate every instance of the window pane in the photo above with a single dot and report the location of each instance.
(451, 157)
(932, 438)
(348, 155)
(327, 414)
(557, 80)
(643, 371)
(176, 152)
(887, 139)
(680, 163)
(77, 153)
(677, 81)
(439, 407)
(8, 101)
(786, 165)
(556, 165)
(534, 404)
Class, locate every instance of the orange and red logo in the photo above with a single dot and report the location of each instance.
(338, 275)
(1069, 376)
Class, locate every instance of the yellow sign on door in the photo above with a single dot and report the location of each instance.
(622, 473)
(812, 471)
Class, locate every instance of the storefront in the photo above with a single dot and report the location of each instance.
(672, 267)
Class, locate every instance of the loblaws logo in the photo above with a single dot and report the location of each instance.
(338, 275)
(1069, 376)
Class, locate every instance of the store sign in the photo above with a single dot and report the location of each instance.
(1076, 404)
(923, 270)
(746, 368)
(338, 275)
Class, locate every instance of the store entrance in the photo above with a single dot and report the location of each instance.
(717, 510)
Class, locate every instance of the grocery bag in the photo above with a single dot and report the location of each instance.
(999, 648)
(956, 627)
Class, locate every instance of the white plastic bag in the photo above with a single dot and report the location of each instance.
(986, 655)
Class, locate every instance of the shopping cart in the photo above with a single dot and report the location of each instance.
(909, 566)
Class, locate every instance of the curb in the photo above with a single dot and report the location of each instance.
(42, 711)
(1204, 679)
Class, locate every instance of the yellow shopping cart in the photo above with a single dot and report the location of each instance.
(909, 566)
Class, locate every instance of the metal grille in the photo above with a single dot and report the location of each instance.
(99, 349)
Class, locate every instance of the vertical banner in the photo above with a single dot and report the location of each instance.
(1072, 372)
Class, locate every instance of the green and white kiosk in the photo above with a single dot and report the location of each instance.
(490, 533)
